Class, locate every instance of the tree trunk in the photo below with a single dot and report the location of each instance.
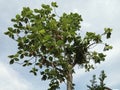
(69, 80)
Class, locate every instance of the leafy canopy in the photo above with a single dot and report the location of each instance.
(52, 45)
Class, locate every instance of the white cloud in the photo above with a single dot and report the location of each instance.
(11, 80)
(85, 25)
(113, 79)
(78, 72)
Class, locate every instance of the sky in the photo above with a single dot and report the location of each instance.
(96, 14)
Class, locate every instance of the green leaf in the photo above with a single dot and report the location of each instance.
(39, 64)
(50, 58)
(20, 24)
(16, 59)
(10, 29)
(11, 61)
(18, 16)
(54, 4)
(20, 52)
(90, 35)
(94, 53)
(36, 11)
(108, 35)
(42, 73)
(47, 37)
(101, 55)
(21, 56)
(13, 20)
(7, 33)
(46, 70)
(44, 77)
(28, 63)
(26, 20)
(34, 71)
(107, 47)
(108, 32)
(11, 56)
(60, 42)
(42, 31)
(24, 65)
(47, 8)
(26, 12)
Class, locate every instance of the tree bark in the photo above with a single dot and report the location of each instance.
(69, 80)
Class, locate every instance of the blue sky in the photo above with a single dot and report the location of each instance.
(96, 14)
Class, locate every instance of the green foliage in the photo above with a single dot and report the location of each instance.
(108, 32)
(53, 44)
(54, 4)
(95, 85)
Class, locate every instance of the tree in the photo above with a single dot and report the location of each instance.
(53, 44)
(101, 85)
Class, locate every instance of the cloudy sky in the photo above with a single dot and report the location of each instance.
(97, 14)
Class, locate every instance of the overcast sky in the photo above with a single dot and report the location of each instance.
(96, 14)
